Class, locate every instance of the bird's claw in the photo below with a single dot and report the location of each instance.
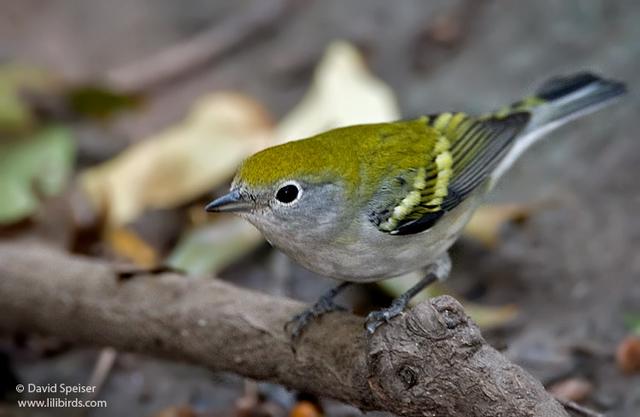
(377, 318)
(298, 323)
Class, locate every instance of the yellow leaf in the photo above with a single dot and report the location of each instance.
(16, 115)
(343, 93)
(128, 245)
(487, 221)
(181, 163)
(491, 317)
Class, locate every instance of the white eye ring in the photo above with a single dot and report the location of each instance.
(288, 193)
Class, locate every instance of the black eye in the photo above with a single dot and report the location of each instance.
(287, 194)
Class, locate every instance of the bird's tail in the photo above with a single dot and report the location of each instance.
(557, 102)
(562, 99)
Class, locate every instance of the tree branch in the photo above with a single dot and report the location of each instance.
(195, 52)
(432, 361)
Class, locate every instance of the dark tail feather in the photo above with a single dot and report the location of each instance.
(557, 102)
(566, 98)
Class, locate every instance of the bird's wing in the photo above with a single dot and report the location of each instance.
(465, 153)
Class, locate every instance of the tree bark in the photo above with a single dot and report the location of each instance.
(431, 361)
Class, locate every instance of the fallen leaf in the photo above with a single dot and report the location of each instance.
(31, 168)
(16, 115)
(31, 95)
(343, 92)
(97, 101)
(181, 163)
(491, 317)
(128, 245)
(628, 354)
(488, 221)
(214, 246)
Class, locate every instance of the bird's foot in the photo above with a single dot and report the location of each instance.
(377, 318)
(296, 326)
(439, 270)
(325, 304)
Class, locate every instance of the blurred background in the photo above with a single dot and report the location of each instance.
(119, 120)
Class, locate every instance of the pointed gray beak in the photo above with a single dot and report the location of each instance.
(230, 202)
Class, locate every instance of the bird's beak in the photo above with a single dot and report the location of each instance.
(232, 201)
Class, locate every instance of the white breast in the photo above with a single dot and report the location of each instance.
(364, 254)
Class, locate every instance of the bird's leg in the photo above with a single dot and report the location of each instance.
(438, 271)
(325, 304)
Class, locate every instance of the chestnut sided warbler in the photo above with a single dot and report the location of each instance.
(369, 202)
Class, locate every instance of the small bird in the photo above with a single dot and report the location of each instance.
(369, 202)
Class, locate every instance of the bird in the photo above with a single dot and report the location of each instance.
(369, 202)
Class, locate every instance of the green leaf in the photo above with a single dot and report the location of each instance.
(632, 322)
(15, 113)
(33, 167)
(214, 246)
(99, 102)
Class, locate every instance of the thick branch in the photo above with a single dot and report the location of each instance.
(431, 361)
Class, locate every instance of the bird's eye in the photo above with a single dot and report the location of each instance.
(288, 193)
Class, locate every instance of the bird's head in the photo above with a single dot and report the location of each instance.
(296, 188)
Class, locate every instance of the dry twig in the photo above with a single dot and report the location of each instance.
(193, 53)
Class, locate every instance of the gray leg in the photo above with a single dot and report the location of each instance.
(438, 271)
(325, 304)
